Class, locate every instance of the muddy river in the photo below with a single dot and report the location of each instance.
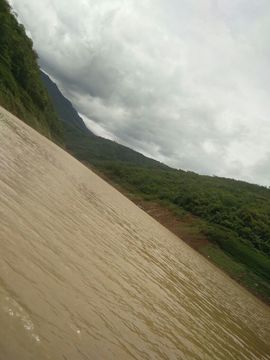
(85, 274)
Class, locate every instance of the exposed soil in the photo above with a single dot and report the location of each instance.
(183, 227)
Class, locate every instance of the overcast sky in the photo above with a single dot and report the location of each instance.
(184, 81)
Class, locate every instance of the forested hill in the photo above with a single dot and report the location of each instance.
(86, 146)
(21, 89)
(64, 108)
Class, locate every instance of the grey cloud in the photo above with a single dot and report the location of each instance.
(184, 81)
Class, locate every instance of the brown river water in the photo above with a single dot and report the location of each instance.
(86, 274)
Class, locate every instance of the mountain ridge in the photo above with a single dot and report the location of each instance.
(64, 107)
(83, 143)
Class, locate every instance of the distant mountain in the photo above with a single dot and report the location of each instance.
(62, 105)
(86, 146)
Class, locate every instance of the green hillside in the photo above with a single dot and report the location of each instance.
(99, 151)
(83, 144)
(63, 106)
(21, 89)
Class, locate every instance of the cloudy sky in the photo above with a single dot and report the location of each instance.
(184, 81)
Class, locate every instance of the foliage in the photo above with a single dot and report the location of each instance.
(63, 106)
(239, 207)
(87, 147)
(21, 89)
(238, 271)
(236, 214)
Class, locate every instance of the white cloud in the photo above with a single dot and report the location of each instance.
(185, 81)
(96, 128)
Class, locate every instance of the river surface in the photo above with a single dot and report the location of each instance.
(86, 274)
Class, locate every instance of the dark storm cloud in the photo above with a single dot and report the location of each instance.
(185, 81)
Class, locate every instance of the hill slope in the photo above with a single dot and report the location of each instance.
(21, 89)
(63, 106)
(86, 146)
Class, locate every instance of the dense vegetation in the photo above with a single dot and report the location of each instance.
(63, 106)
(96, 150)
(21, 89)
(236, 214)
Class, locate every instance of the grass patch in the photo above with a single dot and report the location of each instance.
(237, 271)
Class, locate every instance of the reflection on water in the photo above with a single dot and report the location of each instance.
(85, 274)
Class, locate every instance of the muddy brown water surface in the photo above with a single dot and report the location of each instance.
(86, 274)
